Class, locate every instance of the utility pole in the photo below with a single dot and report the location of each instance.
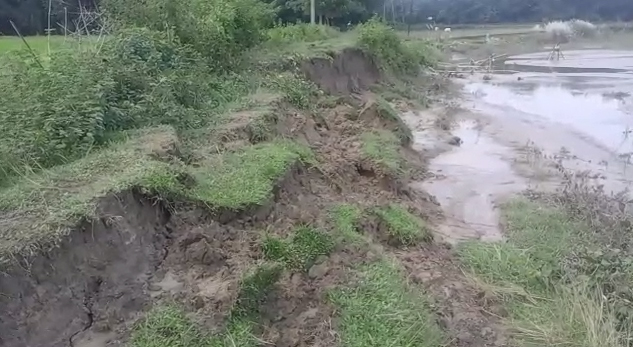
(312, 11)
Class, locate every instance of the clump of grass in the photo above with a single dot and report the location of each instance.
(551, 300)
(254, 288)
(345, 218)
(382, 310)
(170, 326)
(382, 147)
(44, 206)
(387, 112)
(403, 226)
(239, 179)
(301, 250)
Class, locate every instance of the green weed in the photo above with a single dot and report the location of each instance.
(382, 147)
(382, 310)
(402, 226)
(299, 251)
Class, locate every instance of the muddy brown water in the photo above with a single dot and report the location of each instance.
(577, 111)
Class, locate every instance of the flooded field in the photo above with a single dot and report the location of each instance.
(518, 129)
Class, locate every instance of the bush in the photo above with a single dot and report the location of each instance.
(138, 78)
(382, 42)
(218, 29)
(301, 32)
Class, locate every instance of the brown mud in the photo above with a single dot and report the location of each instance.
(89, 291)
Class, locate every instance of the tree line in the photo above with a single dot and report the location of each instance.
(32, 16)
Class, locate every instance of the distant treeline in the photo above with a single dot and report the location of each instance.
(31, 16)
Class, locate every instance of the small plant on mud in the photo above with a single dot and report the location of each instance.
(255, 287)
(301, 250)
(402, 226)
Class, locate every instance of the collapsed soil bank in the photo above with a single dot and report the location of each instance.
(108, 272)
(97, 276)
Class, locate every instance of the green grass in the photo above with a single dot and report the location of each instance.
(301, 249)
(345, 218)
(254, 288)
(169, 326)
(382, 310)
(382, 148)
(241, 179)
(40, 208)
(546, 305)
(403, 226)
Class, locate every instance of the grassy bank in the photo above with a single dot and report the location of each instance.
(215, 119)
(559, 281)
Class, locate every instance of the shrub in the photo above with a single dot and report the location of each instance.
(382, 42)
(301, 32)
(136, 78)
(219, 29)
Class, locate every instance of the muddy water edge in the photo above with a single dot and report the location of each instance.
(95, 286)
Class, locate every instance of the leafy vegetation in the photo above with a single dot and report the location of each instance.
(382, 310)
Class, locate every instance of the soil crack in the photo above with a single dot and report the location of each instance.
(92, 289)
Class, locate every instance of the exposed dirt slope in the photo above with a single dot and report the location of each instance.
(142, 251)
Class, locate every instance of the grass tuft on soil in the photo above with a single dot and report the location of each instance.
(403, 226)
(254, 288)
(382, 310)
(345, 218)
(381, 147)
(169, 326)
(245, 178)
(540, 279)
(39, 208)
(301, 250)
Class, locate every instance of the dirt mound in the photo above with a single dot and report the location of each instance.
(350, 71)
